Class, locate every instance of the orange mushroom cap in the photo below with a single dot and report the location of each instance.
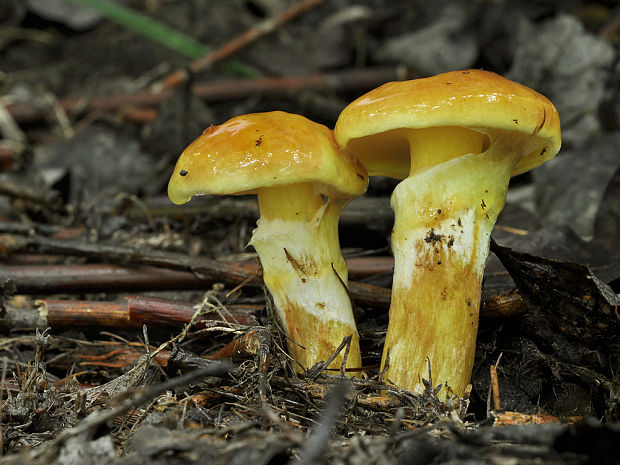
(264, 150)
(372, 126)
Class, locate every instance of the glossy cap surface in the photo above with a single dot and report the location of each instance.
(374, 125)
(264, 150)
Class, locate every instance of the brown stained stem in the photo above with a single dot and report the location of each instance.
(214, 92)
(229, 48)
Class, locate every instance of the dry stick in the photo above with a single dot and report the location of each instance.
(50, 278)
(263, 28)
(46, 279)
(58, 279)
(135, 312)
(14, 227)
(495, 384)
(611, 28)
(518, 418)
(218, 91)
(247, 343)
(80, 278)
(206, 269)
(494, 388)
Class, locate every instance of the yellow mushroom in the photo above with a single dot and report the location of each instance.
(302, 180)
(455, 139)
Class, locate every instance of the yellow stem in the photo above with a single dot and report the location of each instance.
(444, 214)
(297, 242)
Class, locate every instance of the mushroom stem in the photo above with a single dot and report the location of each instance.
(297, 242)
(444, 213)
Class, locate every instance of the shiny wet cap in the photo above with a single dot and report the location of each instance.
(264, 150)
(474, 99)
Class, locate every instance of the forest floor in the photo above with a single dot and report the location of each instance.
(135, 330)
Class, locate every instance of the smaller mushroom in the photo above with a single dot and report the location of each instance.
(455, 139)
(303, 181)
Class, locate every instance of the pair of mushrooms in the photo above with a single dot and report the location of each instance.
(455, 140)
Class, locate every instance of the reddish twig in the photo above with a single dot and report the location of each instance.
(261, 29)
(43, 278)
(248, 343)
(214, 92)
(164, 312)
(174, 271)
(611, 28)
(29, 192)
(55, 279)
(134, 312)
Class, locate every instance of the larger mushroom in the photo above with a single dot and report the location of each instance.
(303, 180)
(455, 139)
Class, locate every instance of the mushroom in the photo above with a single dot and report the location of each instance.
(455, 139)
(303, 181)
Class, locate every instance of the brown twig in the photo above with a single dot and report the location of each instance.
(495, 387)
(157, 269)
(517, 418)
(55, 279)
(208, 270)
(214, 92)
(259, 30)
(134, 312)
(611, 28)
(245, 344)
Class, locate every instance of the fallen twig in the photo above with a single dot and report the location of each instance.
(229, 48)
(497, 405)
(214, 92)
(53, 278)
(517, 418)
(206, 269)
(134, 312)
